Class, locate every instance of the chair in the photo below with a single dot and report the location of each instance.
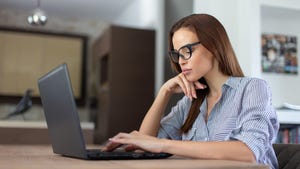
(288, 155)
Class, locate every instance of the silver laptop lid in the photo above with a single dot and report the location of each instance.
(61, 113)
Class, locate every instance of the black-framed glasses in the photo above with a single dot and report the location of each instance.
(185, 52)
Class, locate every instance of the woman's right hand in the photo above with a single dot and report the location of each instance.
(179, 84)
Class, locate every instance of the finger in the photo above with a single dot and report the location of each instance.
(181, 85)
(193, 90)
(130, 148)
(181, 79)
(110, 146)
(187, 85)
(122, 138)
(199, 85)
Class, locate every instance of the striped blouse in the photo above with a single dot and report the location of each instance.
(244, 113)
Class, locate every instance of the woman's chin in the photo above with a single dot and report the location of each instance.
(191, 78)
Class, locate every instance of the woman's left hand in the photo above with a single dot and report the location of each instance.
(135, 140)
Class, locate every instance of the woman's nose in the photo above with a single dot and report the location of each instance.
(181, 61)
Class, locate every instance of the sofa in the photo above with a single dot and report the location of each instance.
(288, 155)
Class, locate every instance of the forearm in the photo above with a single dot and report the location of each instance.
(151, 122)
(226, 150)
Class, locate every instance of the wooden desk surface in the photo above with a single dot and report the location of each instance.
(42, 157)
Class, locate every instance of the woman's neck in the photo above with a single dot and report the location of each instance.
(215, 83)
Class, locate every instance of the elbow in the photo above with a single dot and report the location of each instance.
(247, 159)
(250, 158)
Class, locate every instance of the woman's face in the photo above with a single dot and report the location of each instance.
(201, 61)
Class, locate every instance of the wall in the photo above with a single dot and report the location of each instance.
(91, 28)
(284, 21)
(148, 14)
(174, 10)
(240, 19)
(244, 24)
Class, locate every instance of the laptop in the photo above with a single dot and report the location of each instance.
(64, 125)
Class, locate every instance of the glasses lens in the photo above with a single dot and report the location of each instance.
(185, 52)
(174, 55)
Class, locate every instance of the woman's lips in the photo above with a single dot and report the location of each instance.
(186, 71)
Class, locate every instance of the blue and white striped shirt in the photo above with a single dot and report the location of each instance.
(244, 113)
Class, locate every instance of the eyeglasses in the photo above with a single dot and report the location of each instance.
(185, 52)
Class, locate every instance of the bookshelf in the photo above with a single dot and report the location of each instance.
(124, 63)
(289, 131)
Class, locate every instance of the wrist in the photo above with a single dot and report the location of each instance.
(165, 144)
(165, 91)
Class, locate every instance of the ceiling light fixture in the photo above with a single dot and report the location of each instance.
(38, 17)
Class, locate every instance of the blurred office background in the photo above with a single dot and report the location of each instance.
(244, 20)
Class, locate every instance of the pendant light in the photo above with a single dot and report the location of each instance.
(38, 17)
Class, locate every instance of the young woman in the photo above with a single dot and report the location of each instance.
(223, 114)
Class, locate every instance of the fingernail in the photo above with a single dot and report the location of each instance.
(195, 96)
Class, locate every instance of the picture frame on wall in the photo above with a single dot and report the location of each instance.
(279, 54)
(26, 55)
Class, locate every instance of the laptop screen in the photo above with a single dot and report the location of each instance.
(61, 113)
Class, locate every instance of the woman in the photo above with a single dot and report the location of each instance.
(223, 114)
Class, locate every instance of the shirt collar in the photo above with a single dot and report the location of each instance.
(233, 82)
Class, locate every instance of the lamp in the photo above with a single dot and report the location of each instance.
(38, 16)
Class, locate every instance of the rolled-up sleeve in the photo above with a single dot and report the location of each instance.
(170, 125)
(257, 123)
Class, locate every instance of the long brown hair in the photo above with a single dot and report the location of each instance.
(213, 37)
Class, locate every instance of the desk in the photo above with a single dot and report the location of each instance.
(42, 157)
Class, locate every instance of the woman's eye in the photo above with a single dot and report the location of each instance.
(185, 50)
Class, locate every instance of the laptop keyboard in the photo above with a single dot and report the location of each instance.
(123, 155)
